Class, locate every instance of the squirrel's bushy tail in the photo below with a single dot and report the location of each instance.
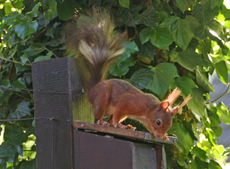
(96, 42)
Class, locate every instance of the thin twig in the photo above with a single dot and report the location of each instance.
(15, 61)
(220, 95)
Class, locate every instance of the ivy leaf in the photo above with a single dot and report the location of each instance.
(185, 141)
(196, 104)
(199, 153)
(222, 71)
(149, 17)
(24, 58)
(141, 78)
(227, 151)
(5, 83)
(158, 36)
(130, 47)
(51, 12)
(127, 17)
(34, 49)
(180, 30)
(125, 60)
(122, 68)
(216, 27)
(214, 165)
(124, 3)
(14, 135)
(193, 22)
(203, 14)
(3, 164)
(24, 28)
(21, 68)
(202, 32)
(223, 113)
(22, 110)
(162, 78)
(7, 150)
(66, 9)
(183, 5)
(34, 12)
(185, 84)
(19, 84)
(40, 58)
(203, 81)
(188, 59)
(24, 164)
(145, 50)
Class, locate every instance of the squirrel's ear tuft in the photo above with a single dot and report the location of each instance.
(165, 105)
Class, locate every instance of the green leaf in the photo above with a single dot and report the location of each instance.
(24, 58)
(193, 22)
(14, 135)
(183, 5)
(5, 96)
(34, 12)
(202, 32)
(22, 110)
(203, 81)
(28, 164)
(120, 69)
(210, 3)
(7, 7)
(51, 12)
(188, 59)
(162, 78)
(34, 49)
(5, 83)
(141, 78)
(127, 17)
(180, 30)
(66, 9)
(222, 71)
(19, 84)
(124, 3)
(223, 113)
(3, 164)
(24, 28)
(199, 153)
(21, 68)
(196, 104)
(130, 46)
(149, 17)
(185, 84)
(185, 141)
(145, 50)
(227, 151)
(158, 36)
(203, 14)
(214, 165)
(216, 27)
(7, 150)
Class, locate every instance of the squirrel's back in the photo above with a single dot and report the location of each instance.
(96, 42)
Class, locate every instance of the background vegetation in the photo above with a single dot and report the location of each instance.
(172, 43)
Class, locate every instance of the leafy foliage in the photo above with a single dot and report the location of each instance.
(173, 43)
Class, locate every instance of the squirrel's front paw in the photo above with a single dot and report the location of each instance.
(165, 137)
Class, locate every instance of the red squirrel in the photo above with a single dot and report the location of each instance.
(98, 45)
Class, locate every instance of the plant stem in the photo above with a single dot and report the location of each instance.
(15, 61)
(220, 95)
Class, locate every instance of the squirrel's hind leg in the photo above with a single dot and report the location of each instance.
(101, 94)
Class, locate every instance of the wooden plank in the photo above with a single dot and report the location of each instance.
(57, 95)
(123, 132)
(95, 151)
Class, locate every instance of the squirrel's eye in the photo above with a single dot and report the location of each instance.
(158, 122)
